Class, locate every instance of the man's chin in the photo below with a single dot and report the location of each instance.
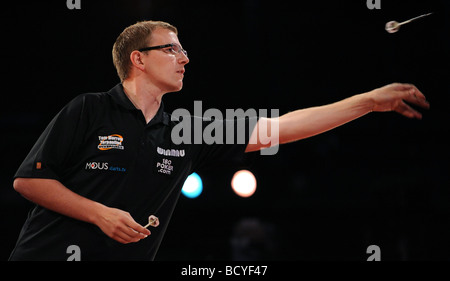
(179, 87)
(176, 89)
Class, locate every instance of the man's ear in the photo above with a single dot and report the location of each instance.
(136, 59)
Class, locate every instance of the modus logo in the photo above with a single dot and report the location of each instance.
(96, 166)
(104, 166)
(110, 142)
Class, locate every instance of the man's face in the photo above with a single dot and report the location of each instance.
(164, 68)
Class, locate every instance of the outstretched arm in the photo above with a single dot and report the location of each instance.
(311, 121)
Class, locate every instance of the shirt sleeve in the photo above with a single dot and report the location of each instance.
(224, 143)
(51, 155)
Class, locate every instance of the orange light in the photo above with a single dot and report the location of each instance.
(244, 183)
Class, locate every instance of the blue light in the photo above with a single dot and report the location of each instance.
(193, 186)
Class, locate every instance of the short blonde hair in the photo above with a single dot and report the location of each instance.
(133, 38)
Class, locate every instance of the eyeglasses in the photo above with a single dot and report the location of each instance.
(172, 47)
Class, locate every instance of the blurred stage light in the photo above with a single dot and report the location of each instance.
(193, 186)
(244, 183)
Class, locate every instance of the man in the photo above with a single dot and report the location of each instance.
(106, 161)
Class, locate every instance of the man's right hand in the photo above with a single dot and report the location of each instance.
(120, 226)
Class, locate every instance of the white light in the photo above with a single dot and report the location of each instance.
(193, 186)
(244, 183)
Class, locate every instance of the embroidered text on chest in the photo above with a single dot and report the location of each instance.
(171, 152)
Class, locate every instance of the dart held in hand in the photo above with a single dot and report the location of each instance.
(152, 221)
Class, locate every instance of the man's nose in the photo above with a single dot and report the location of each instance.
(183, 59)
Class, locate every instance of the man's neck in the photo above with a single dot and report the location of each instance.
(144, 97)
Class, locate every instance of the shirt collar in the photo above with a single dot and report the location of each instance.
(118, 95)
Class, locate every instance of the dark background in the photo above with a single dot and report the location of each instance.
(380, 180)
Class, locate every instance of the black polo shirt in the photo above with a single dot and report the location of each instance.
(100, 146)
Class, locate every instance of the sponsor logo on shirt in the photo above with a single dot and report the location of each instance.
(103, 166)
(170, 152)
(110, 142)
(96, 166)
(164, 167)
